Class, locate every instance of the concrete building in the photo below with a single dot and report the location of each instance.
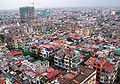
(27, 13)
(46, 13)
(106, 72)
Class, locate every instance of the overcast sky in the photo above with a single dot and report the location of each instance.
(15, 4)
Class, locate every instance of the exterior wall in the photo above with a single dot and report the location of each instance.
(0, 47)
(85, 31)
(66, 63)
(26, 12)
(16, 43)
(30, 30)
(43, 67)
(108, 77)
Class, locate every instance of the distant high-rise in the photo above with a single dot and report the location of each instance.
(46, 13)
(27, 13)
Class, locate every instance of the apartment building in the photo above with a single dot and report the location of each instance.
(105, 71)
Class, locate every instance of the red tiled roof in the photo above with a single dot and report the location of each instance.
(92, 41)
(47, 46)
(50, 69)
(116, 44)
(67, 55)
(47, 43)
(50, 37)
(90, 61)
(91, 48)
(7, 60)
(60, 44)
(56, 47)
(15, 37)
(20, 69)
(61, 34)
(15, 52)
(107, 66)
(1, 81)
(16, 82)
(86, 40)
(25, 43)
(80, 56)
(77, 38)
(37, 46)
(2, 77)
(97, 82)
(33, 44)
(71, 49)
(21, 60)
(111, 40)
(53, 34)
(39, 38)
(101, 61)
(62, 53)
(18, 63)
(87, 49)
(33, 71)
(53, 74)
(72, 46)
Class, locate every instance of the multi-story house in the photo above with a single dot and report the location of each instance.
(76, 61)
(106, 72)
(4, 65)
(67, 60)
(59, 59)
(17, 42)
(72, 62)
(41, 66)
(46, 50)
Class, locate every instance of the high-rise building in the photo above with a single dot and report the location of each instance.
(46, 13)
(27, 13)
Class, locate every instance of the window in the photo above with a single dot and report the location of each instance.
(98, 65)
(66, 58)
(103, 70)
(94, 67)
(66, 62)
(55, 58)
(101, 79)
(98, 69)
(45, 64)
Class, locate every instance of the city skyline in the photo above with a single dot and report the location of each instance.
(15, 4)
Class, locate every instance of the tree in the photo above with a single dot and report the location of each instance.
(39, 53)
(51, 60)
(1, 37)
(26, 53)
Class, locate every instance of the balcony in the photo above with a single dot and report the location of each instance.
(56, 60)
(56, 64)
(67, 60)
(66, 64)
(56, 57)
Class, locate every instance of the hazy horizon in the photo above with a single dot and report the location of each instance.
(15, 4)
